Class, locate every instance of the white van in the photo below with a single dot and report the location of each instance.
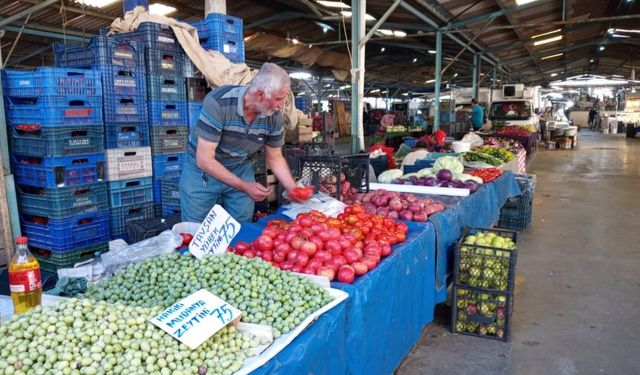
(514, 105)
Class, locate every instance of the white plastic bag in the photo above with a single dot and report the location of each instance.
(474, 139)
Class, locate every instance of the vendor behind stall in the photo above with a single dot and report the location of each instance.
(235, 122)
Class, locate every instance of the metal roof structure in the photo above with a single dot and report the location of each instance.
(499, 32)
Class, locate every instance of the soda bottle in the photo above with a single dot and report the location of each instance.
(25, 280)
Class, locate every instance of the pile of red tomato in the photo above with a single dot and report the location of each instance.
(487, 174)
(344, 247)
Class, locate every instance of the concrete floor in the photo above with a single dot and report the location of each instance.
(577, 308)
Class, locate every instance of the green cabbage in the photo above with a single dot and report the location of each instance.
(425, 172)
(451, 163)
(387, 176)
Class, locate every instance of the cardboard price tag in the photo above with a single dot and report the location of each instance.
(214, 234)
(194, 319)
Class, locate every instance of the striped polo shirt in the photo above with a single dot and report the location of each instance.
(222, 121)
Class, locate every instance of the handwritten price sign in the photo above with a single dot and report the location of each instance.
(215, 233)
(197, 317)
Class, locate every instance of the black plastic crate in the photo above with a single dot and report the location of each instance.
(62, 202)
(527, 185)
(168, 139)
(171, 88)
(126, 135)
(197, 89)
(153, 35)
(101, 50)
(293, 152)
(52, 261)
(138, 230)
(379, 164)
(481, 313)
(485, 265)
(165, 63)
(38, 141)
(516, 218)
(335, 174)
(120, 216)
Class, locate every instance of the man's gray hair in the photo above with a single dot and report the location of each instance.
(271, 78)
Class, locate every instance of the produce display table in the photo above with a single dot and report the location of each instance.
(480, 209)
(529, 142)
(387, 308)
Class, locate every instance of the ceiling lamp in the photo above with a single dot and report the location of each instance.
(161, 9)
(96, 3)
(601, 48)
(399, 34)
(300, 75)
(522, 2)
(551, 56)
(548, 40)
(432, 51)
(333, 4)
(385, 32)
(367, 17)
(547, 33)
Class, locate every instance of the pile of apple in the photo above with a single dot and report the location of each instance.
(344, 247)
(481, 313)
(484, 267)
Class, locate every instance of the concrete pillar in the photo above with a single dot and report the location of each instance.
(436, 94)
(357, 74)
(215, 6)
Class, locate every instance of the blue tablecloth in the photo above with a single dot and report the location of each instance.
(480, 209)
(381, 320)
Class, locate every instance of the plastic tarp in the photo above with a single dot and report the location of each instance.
(480, 209)
(387, 308)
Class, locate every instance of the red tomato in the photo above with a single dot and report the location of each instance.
(360, 268)
(263, 243)
(346, 274)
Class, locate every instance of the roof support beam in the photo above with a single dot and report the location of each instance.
(26, 12)
(487, 16)
(48, 34)
(380, 21)
(76, 10)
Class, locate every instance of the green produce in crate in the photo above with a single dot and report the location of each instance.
(96, 337)
(484, 267)
(485, 158)
(498, 152)
(265, 294)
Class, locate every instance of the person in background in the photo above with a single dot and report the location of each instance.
(235, 122)
(419, 152)
(593, 112)
(477, 114)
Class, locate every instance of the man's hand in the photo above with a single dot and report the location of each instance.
(256, 191)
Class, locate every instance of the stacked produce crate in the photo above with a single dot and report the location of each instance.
(484, 281)
(168, 119)
(517, 212)
(120, 63)
(56, 135)
(222, 33)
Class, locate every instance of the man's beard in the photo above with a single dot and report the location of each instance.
(264, 110)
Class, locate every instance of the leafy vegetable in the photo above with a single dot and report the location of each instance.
(451, 163)
(387, 176)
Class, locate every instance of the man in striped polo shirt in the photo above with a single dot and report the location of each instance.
(235, 122)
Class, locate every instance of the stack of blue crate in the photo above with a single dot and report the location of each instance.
(120, 63)
(56, 136)
(222, 33)
(168, 119)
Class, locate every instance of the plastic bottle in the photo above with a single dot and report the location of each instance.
(25, 281)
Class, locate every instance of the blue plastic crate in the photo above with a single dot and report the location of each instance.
(166, 63)
(411, 142)
(125, 108)
(167, 113)
(126, 135)
(157, 192)
(62, 110)
(153, 35)
(34, 140)
(62, 202)
(101, 50)
(527, 184)
(170, 192)
(171, 88)
(217, 23)
(302, 103)
(51, 81)
(168, 139)
(168, 166)
(171, 210)
(194, 113)
(230, 45)
(122, 80)
(120, 216)
(130, 192)
(52, 262)
(71, 233)
(59, 171)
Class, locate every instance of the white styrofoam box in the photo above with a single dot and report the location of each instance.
(127, 163)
